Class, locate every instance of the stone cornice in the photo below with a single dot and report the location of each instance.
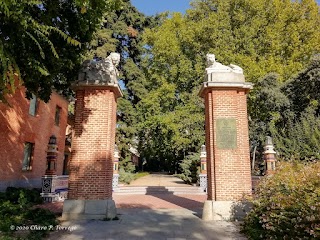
(225, 85)
(101, 85)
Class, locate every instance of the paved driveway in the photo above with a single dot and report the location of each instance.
(147, 224)
(159, 179)
(152, 217)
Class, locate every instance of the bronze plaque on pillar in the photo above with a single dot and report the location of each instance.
(226, 133)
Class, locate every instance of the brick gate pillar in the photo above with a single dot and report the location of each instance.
(92, 156)
(227, 142)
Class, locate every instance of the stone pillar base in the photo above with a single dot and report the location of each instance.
(225, 210)
(89, 209)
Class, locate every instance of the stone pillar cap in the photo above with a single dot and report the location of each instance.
(99, 85)
(218, 75)
(216, 84)
(270, 152)
(223, 76)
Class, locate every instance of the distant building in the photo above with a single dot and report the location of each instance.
(25, 129)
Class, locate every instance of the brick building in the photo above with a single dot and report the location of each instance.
(25, 129)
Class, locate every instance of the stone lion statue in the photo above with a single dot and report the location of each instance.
(100, 71)
(215, 66)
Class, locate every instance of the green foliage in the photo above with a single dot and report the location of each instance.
(127, 165)
(121, 31)
(267, 104)
(163, 61)
(41, 42)
(286, 205)
(41, 216)
(13, 194)
(190, 168)
(16, 209)
(170, 127)
(260, 36)
(126, 170)
(268, 98)
(126, 177)
(289, 112)
(301, 138)
(304, 89)
(141, 174)
(149, 115)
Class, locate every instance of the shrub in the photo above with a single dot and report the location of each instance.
(2, 196)
(126, 170)
(32, 195)
(189, 168)
(16, 209)
(125, 177)
(127, 165)
(128, 177)
(287, 204)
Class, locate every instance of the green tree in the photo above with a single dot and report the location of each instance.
(300, 138)
(170, 128)
(268, 105)
(260, 36)
(171, 114)
(297, 131)
(41, 42)
(190, 168)
(121, 31)
(289, 112)
(304, 89)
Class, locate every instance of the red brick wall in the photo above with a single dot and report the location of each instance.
(17, 126)
(229, 168)
(91, 165)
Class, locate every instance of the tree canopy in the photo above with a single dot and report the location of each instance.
(289, 112)
(41, 42)
(121, 31)
(260, 36)
(300, 137)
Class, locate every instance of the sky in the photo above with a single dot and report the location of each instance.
(151, 7)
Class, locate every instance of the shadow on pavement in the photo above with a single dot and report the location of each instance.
(149, 224)
(169, 196)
